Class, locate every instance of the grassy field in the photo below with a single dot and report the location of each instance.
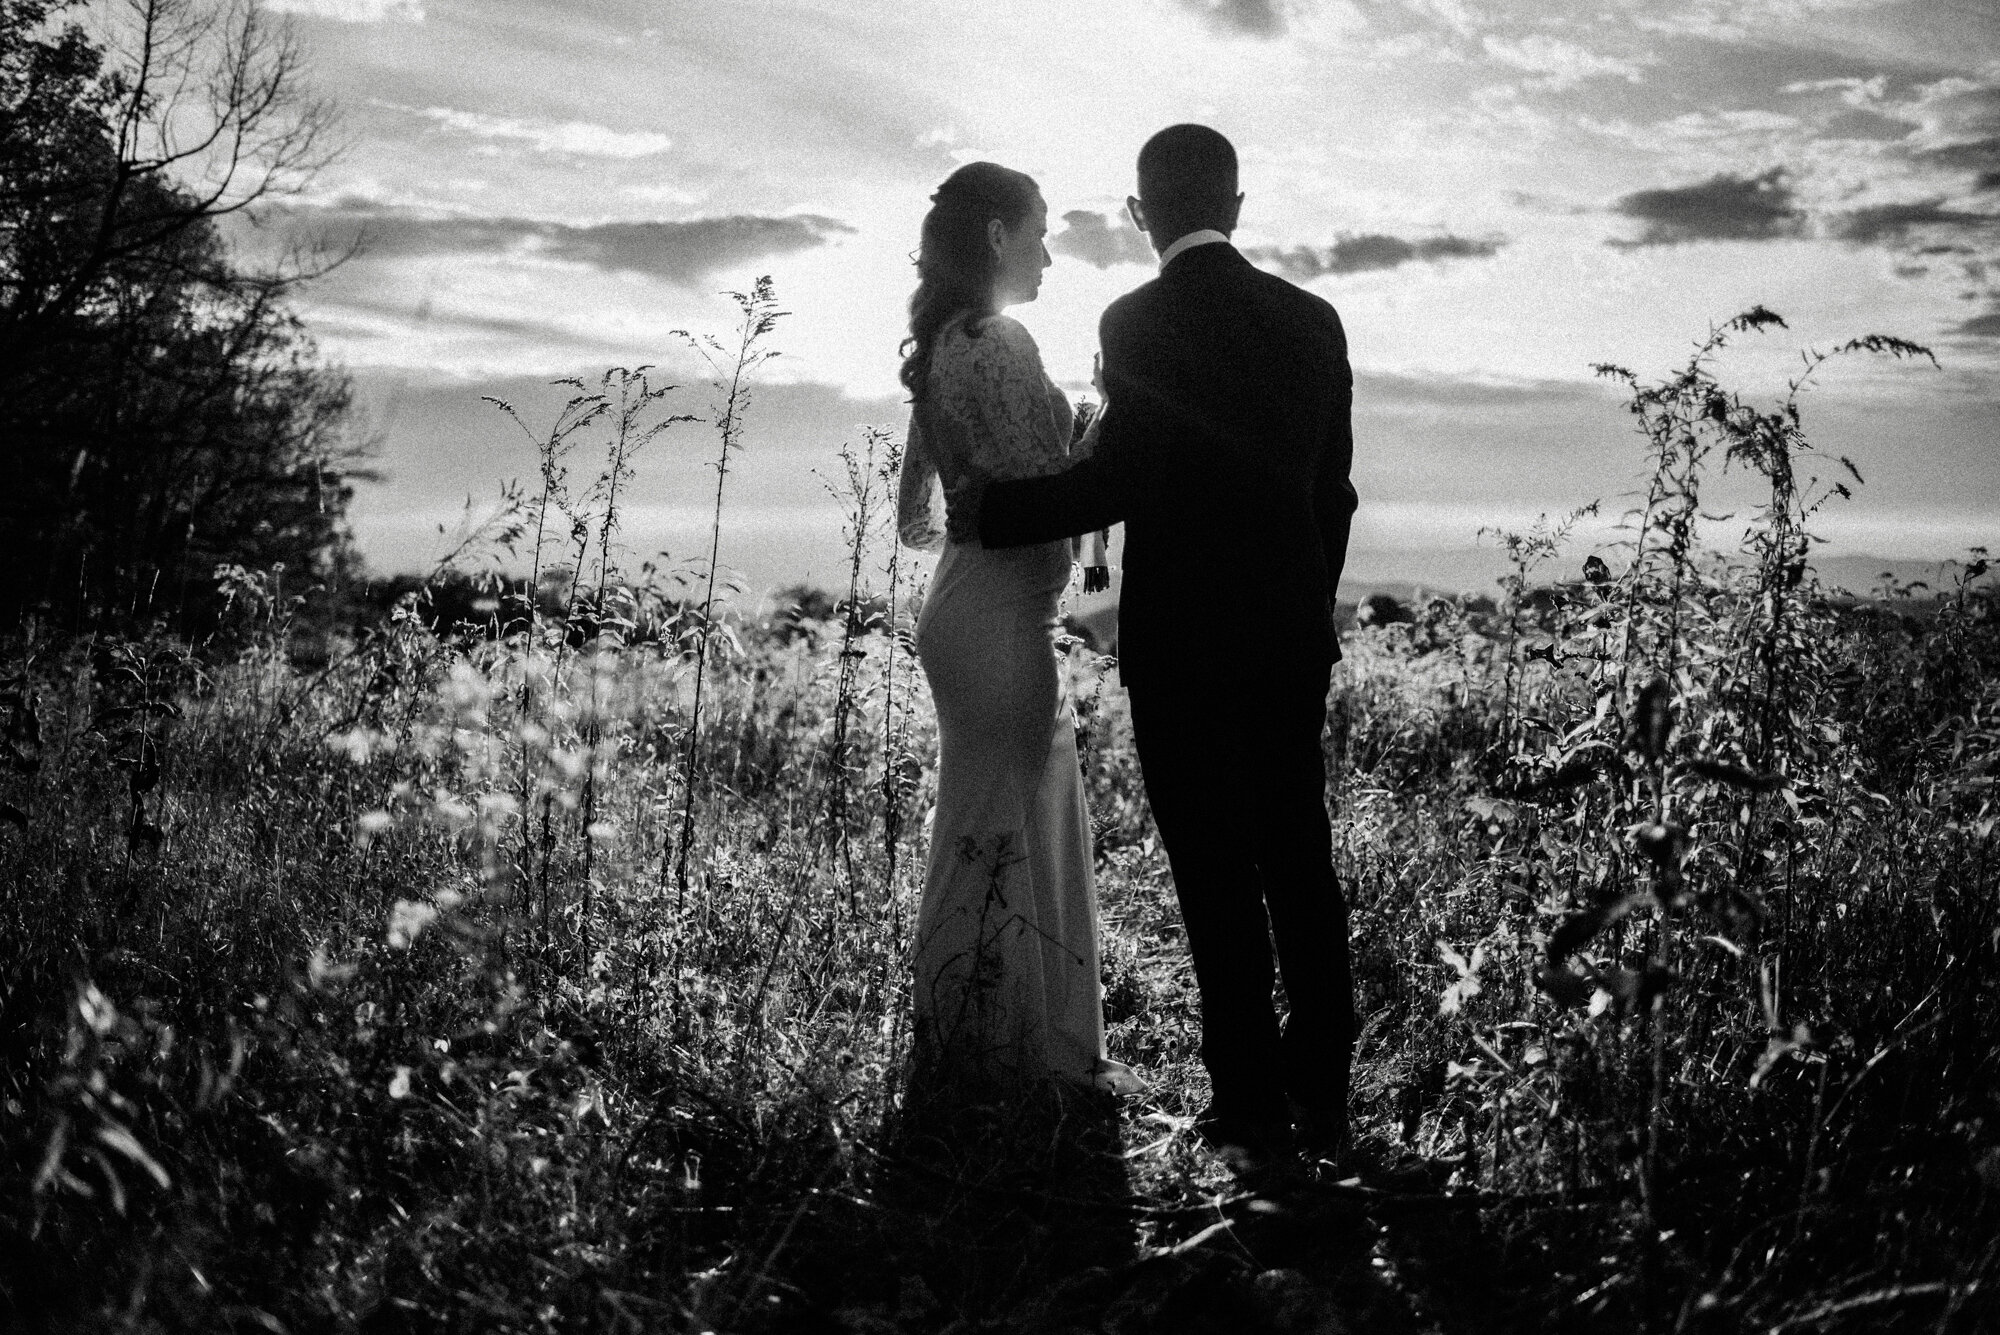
(550, 975)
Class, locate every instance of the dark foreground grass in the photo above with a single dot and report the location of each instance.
(299, 1035)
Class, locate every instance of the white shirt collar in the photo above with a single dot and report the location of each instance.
(1206, 236)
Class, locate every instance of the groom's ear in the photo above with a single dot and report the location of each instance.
(1137, 212)
(996, 236)
(1235, 210)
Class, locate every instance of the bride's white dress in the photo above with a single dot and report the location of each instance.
(1006, 983)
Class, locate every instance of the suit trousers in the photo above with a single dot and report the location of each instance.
(1235, 773)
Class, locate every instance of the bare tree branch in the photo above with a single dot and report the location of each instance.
(213, 117)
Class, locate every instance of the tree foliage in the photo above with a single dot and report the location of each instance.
(161, 409)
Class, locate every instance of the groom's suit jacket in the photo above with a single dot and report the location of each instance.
(1225, 453)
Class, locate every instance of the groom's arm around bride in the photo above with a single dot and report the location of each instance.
(1225, 450)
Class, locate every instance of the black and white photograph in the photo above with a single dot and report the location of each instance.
(1000, 667)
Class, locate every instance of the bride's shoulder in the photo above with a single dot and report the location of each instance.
(979, 350)
(1008, 331)
(1002, 338)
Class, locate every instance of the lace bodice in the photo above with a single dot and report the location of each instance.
(992, 413)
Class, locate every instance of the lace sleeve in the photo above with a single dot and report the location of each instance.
(919, 502)
(1017, 425)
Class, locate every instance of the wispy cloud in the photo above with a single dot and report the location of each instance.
(1895, 222)
(1741, 20)
(365, 318)
(350, 11)
(680, 252)
(1979, 326)
(1390, 391)
(1722, 208)
(1453, 16)
(574, 138)
(1254, 18)
(1951, 125)
(1980, 155)
(1373, 250)
(1560, 64)
(1100, 241)
(1958, 124)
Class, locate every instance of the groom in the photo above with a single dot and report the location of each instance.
(1225, 452)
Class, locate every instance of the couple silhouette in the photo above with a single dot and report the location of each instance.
(1224, 448)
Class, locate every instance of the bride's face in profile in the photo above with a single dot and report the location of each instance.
(1021, 254)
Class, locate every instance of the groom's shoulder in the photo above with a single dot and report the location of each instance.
(1305, 304)
(1138, 298)
(1134, 305)
(1286, 290)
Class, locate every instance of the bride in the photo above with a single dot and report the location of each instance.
(1006, 962)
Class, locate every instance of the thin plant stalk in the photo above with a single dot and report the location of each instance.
(863, 496)
(582, 409)
(635, 396)
(733, 368)
(892, 757)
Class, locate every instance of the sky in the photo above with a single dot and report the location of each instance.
(1495, 197)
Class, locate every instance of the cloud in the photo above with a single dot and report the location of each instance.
(573, 138)
(1101, 241)
(1373, 250)
(680, 252)
(1451, 15)
(1561, 64)
(1979, 326)
(1722, 208)
(1745, 21)
(350, 11)
(372, 318)
(1856, 92)
(1893, 222)
(1980, 155)
(1390, 391)
(1252, 18)
(1950, 125)
(1958, 125)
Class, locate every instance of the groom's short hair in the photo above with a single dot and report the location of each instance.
(1188, 171)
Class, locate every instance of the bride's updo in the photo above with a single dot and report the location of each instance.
(956, 268)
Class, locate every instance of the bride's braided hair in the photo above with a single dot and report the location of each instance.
(955, 266)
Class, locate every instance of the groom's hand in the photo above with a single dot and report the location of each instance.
(961, 510)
